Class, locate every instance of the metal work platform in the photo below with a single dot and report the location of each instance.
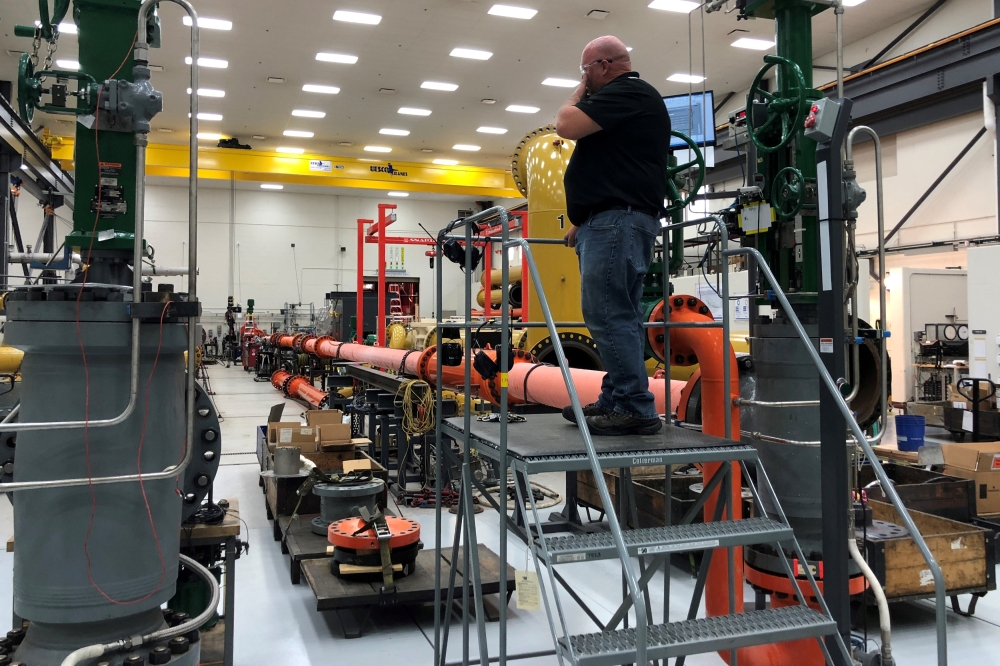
(549, 443)
(710, 634)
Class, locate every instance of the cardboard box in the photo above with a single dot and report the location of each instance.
(291, 434)
(318, 417)
(979, 461)
(332, 433)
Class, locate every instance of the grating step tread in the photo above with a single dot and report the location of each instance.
(674, 538)
(703, 635)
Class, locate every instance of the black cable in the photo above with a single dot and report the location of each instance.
(701, 265)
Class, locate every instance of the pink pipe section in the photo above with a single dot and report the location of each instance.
(546, 386)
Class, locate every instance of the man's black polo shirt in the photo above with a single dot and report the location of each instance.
(625, 163)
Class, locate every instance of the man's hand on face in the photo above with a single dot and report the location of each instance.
(570, 237)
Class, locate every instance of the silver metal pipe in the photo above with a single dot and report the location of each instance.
(890, 491)
(839, 13)
(884, 621)
(880, 204)
(95, 651)
(40, 257)
(12, 414)
(153, 269)
(740, 402)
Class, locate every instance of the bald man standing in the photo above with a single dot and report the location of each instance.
(615, 189)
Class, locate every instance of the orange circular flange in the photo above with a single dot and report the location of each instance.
(782, 585)
(403, 530)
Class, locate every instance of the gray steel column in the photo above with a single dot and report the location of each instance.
(835, 478)
(4, 221)
(232, 234)
(993, 92)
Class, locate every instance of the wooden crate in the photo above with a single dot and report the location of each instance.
(960, 550)
(922, 490)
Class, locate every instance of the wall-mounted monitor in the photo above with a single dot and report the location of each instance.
(693, 115)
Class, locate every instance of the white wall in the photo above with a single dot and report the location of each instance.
(266, 225)
(983, 312)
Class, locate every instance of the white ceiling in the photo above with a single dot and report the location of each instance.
(411, 45)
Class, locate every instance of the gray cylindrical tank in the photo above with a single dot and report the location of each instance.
(339, 501)
(52, 583)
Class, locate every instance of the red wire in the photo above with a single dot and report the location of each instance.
(86, 373)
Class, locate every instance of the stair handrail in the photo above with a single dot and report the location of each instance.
(632, 582)
(887, 486)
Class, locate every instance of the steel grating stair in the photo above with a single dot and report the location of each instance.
(711, 634)
(672, 539)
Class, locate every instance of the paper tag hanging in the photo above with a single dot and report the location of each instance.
(528, 595)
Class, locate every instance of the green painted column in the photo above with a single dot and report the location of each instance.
(106, 31)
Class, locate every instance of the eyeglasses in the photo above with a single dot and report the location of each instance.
(583, 68)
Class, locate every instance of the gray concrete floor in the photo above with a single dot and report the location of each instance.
(276, 622)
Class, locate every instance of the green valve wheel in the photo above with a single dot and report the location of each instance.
(679, 202)
(29, 88)
(788, 192)
(790, 111)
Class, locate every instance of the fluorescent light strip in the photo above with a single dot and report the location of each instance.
(410, 111)
(679, 6)
(561, 83)
(271, 186)
(341, 58)
(356, 17)
(208, 92)
(685, 78)
(209, 136)
(753, 44)
(210, 23)
(398, 194)
(492, 130)
(316, 88)
(378, 149)
(65, 28)
(518, 108)
(208, 116)
(289, 150)
(444, 162)
(394, 132)
(215, 63)
(305, 113)
(472, 54)
(68, 64)
(509, 11)
(298, 134)
(437, 85)
(465, 146)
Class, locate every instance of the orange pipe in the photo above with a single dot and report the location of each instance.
(297, 386)
(546, 387)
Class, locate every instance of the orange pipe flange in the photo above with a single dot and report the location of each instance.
(309, 344)
(297, 386)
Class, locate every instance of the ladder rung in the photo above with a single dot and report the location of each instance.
(672, 539)
(712, 634)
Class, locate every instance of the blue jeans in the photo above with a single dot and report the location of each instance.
(615, 248)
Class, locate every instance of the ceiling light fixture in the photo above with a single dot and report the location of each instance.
(561, 83)
(518, 108)
(305, 113)
(68, 64)
(356, 17)
(472, 54)
(347, 143)
(299, 134)
(214, 63)
(679, 6)
(394, 132)
(398, 194)
(509, 11)
(290, 151)
(208, 92)
(444, 162)
(410, 111)
(271, 186)
(378, 149)
(492, 130)
(341, 58)
(466, 146)
(208, 116)
(437, 85)
(66, 28)
(753, 44)
(685, 78)
(210, 23)
(316, 88)
(278, 80)
(258, 137)
(209, 136)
